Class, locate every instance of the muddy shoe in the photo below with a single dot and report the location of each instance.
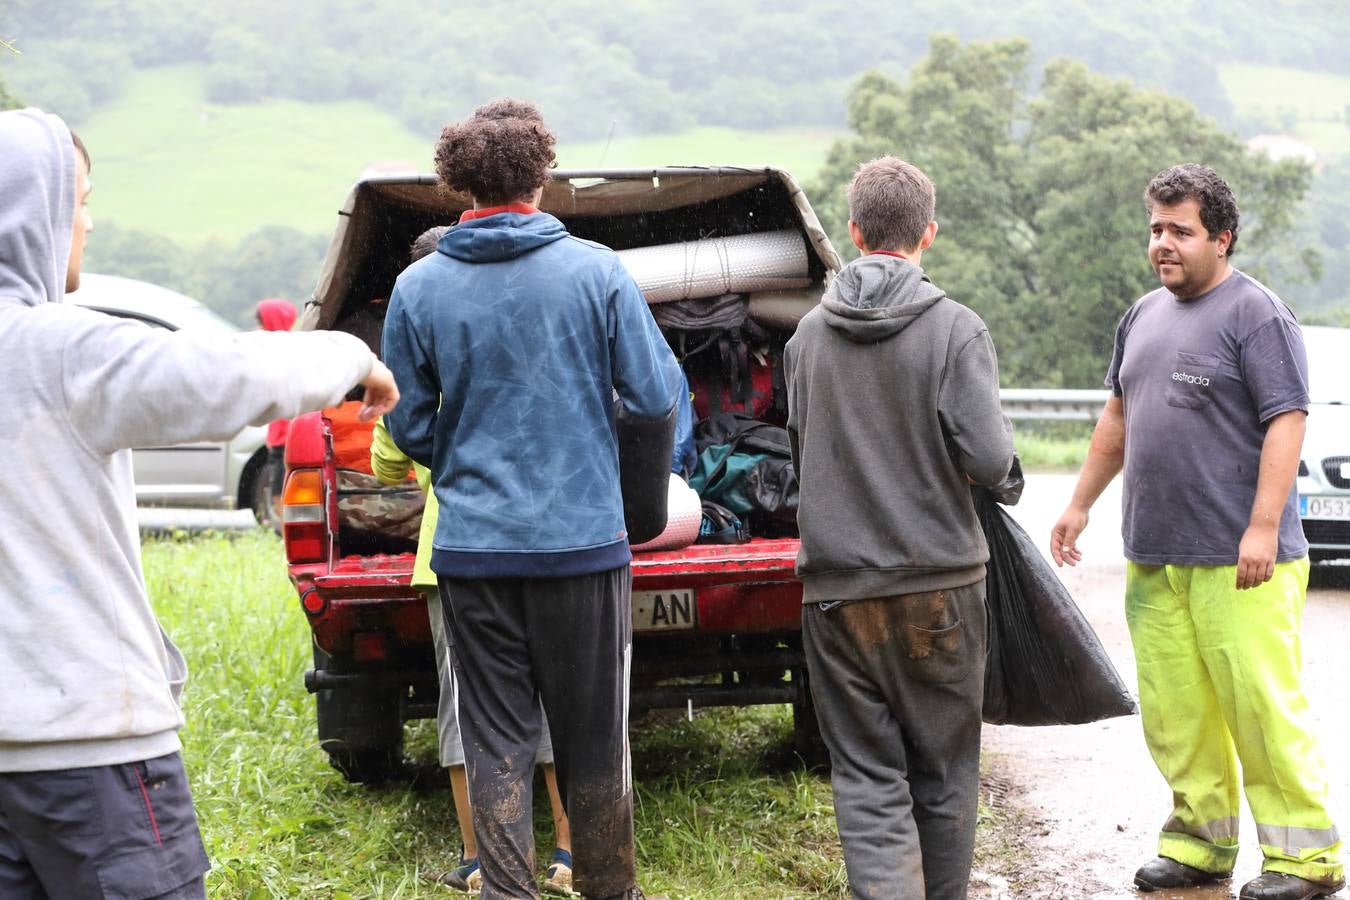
(558, 878)
(1163, 873)
(1278, 886)
(465, 878)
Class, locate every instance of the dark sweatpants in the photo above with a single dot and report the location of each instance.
(110, 832)
(898, 684)
(567, 641)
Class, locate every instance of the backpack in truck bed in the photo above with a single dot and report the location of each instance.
(745, 465)
(726, 355)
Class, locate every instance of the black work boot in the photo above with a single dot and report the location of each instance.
(1279, 886)
(1163, 873)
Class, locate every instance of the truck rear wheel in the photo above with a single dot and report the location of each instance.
(360, 728)
(806, 738)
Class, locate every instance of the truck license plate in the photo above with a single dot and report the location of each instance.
(663, 610)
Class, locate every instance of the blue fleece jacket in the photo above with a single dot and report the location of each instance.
(508, 344)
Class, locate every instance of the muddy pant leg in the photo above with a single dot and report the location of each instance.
(940, 698)
(581, 641)
(872, 802)
(1183, 725)
(899, 684)
(499, 725)
(1250, 641)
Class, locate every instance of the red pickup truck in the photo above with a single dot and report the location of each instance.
(713, 624)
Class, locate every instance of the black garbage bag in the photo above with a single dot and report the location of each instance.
(1045, 665)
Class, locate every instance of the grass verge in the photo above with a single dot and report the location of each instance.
(1053, 451)
(723, 809)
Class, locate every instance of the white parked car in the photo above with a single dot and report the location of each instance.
(226, 475)
(1324, 472)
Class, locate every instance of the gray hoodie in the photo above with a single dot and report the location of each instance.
(87, 678)
(892, 402)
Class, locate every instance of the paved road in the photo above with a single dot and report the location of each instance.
(155, 519)
(1092, 797)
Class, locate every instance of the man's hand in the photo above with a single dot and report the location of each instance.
(1064, 536)
(381, 392)
(1256, 555)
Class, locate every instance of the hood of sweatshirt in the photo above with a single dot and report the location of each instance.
(877, 296)
(276, 315)
(37, 207)
(500, 237)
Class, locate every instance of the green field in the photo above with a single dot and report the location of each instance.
(167, 161)
(723, 809)
(1319, 103)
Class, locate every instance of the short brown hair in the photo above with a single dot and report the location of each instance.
(892, 202)
(425, 243)
(499, 154)
(1193, 181)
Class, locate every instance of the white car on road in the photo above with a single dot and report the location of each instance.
(1324, 472)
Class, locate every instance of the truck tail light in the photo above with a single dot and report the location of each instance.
(303, 518)
(313, 602)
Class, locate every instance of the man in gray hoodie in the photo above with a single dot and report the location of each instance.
(94, 802)
(893, 411)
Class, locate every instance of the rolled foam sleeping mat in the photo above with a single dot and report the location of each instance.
(767, 261)
(782, 309)
(684, 515)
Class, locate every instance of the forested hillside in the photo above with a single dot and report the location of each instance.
(226, 135)
(647, 66)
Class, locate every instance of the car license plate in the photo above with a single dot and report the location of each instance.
(663, 610)
(1324, 507)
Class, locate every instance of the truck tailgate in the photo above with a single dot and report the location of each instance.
(760, 560)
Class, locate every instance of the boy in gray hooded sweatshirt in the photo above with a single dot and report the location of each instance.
(893, 410)
(93, 798)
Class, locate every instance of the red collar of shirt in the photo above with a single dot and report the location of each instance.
(888, 253)
(524, 209)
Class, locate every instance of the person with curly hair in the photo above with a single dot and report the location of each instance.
(510, 344)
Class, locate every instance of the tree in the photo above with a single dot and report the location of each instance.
(7, 98)
(1040, 200)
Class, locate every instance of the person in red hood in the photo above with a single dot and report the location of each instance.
(276, 315)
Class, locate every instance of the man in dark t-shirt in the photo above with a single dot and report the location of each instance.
(1209, 400)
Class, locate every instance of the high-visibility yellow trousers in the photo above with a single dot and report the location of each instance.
(1219, 687)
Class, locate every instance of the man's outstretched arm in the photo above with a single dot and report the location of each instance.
(1105, 459)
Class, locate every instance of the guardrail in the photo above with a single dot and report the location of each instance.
(1046, 403)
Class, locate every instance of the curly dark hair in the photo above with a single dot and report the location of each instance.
(499, 154)
(1193, 181)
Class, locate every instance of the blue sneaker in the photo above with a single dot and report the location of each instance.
(464, 878)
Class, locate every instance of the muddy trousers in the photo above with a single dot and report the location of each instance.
(898, 684)
(567, 642)
(1223, 708)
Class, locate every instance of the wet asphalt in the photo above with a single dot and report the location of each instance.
(1087, 798)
